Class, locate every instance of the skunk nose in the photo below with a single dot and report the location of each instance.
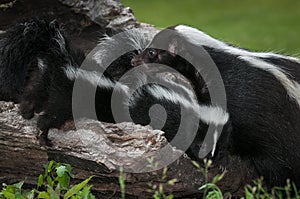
(135, 62)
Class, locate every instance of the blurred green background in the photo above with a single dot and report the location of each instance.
(263, 25)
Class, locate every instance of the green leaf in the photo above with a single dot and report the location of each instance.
(50, 181)
(215, 194)
(40, 180)
(207, 186)
(76, 188)
(86, 192)
(49, 167)
(44, 195)
(122, 183)
(29, 195)
(218, 177)
(61, 171)
(156, 197)
(172, 181)
(196, 164)
(11, 188)
(19, 185)
(69, 169)
(91, 196)
(64, 181)
(18, 195)
(171, 196)
(53, 194)
(8, 194)
(248, 195)
(164, 173)
(58, 189)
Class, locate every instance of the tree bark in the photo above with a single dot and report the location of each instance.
(96, 148)
(100, 149)
(84, 21)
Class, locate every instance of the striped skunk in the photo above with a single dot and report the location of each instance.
(55, 66)
(263, 96)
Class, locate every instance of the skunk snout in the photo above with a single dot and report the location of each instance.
(136, 61)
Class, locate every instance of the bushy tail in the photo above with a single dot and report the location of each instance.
(20, 47)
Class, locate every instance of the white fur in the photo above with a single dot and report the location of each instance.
(93, 78)
(189, 92)
(215, 143)
(213, 114)
(60, 41)
(208, 114)
(253, 58)
(140, 38)
(198, 37)
(132, 39)
(70, 72)
(41, 65)
(292, 87)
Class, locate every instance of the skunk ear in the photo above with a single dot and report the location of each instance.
(173, 47)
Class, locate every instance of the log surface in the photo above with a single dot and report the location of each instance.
(94, 148)
(100, 149)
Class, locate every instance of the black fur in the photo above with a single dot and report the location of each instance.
(265, 120)
(22, 45)
(19, 47)
(23, 81)
(48, 91)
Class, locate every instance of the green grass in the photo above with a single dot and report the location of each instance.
(263, 25)
(53, 184)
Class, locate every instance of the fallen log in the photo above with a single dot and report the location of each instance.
(100, 149)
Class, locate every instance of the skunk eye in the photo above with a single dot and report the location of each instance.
(152, 53)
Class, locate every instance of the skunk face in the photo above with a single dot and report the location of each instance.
(126, 44)
(149, 55)
(121, 65)
(153, 55)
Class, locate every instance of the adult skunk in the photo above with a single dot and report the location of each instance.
(263, 96)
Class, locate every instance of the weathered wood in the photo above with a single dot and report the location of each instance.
(95, 148)
(111, 14)
(100, 149)
(84, 21)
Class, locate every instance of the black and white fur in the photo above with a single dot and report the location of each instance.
(172, 97)
(29, 56)
(19, 47)
(263, 97)
(48, 89)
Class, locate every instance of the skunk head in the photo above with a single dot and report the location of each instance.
(115, 52)
(163, 49)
